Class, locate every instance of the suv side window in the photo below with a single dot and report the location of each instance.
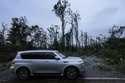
(49, 55)
(31, 55)
(38, 55)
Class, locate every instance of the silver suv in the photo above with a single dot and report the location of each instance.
(28, 63)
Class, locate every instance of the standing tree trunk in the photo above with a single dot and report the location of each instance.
(76, 19)
(63, 30)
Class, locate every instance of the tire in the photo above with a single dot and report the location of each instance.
(71, 73)
(23, 73)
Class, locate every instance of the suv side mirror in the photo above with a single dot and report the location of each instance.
(57, 58)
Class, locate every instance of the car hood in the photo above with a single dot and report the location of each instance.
(74, 59)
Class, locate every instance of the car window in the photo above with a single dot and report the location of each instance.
(31, 55)
(49, 56)
(38, 55)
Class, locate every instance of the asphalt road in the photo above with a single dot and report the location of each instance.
(8, 77)
(67, 81)
(92, 75)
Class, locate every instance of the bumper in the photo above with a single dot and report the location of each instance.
(82, 68)
(82, 71)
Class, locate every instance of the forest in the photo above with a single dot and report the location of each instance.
(67, 38)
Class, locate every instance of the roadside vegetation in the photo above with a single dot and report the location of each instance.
(67, 38)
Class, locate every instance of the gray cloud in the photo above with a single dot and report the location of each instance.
(97, 15)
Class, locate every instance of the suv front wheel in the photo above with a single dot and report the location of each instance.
(23, 73)
(71, 73)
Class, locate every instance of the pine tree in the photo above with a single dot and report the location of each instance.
(18, 33)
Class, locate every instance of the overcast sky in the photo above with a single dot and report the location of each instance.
(97, 15)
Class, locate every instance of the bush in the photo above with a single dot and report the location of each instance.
(114, 53)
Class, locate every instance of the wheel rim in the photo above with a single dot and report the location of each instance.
(72, 73)
(23, 74)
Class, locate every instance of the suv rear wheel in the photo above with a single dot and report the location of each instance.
(71, 73)
(23, 73)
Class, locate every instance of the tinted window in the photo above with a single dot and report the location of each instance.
(38, 55)
(49, 56)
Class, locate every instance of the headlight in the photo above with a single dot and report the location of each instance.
(82, 62)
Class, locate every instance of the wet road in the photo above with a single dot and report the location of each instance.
(92, 75)
(9, 77)
(66, 81)
(58, 80)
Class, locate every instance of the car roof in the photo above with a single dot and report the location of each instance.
(28, 51)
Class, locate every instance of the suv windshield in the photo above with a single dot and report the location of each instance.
(61, 55)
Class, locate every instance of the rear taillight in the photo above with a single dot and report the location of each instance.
(12, 66)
